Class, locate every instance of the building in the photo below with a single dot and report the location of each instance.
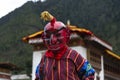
(6, 69)
(20, 77)
(96, 50)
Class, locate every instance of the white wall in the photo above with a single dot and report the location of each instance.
(36, 59)
(19, 77)
(81, 50)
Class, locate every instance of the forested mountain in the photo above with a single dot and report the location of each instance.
(102, 17)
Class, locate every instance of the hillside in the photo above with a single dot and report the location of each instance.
(101, 17)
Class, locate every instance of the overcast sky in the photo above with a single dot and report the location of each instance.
(7, 6)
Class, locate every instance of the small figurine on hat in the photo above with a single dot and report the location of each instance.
(60, 62)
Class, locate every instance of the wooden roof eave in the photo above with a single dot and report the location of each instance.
(9, 66)
(80, 31)
(26, 39)
(113, 54)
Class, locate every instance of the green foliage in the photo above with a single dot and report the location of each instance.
(100, 16)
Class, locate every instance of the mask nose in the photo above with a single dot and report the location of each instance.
(53, 39)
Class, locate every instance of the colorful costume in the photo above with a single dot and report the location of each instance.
(61, 62)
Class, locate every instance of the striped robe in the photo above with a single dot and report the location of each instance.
(68, 67)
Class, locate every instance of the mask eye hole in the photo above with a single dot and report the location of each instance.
(57, 34)
(45, 36)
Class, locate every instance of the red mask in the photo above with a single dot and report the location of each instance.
(55, 37)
